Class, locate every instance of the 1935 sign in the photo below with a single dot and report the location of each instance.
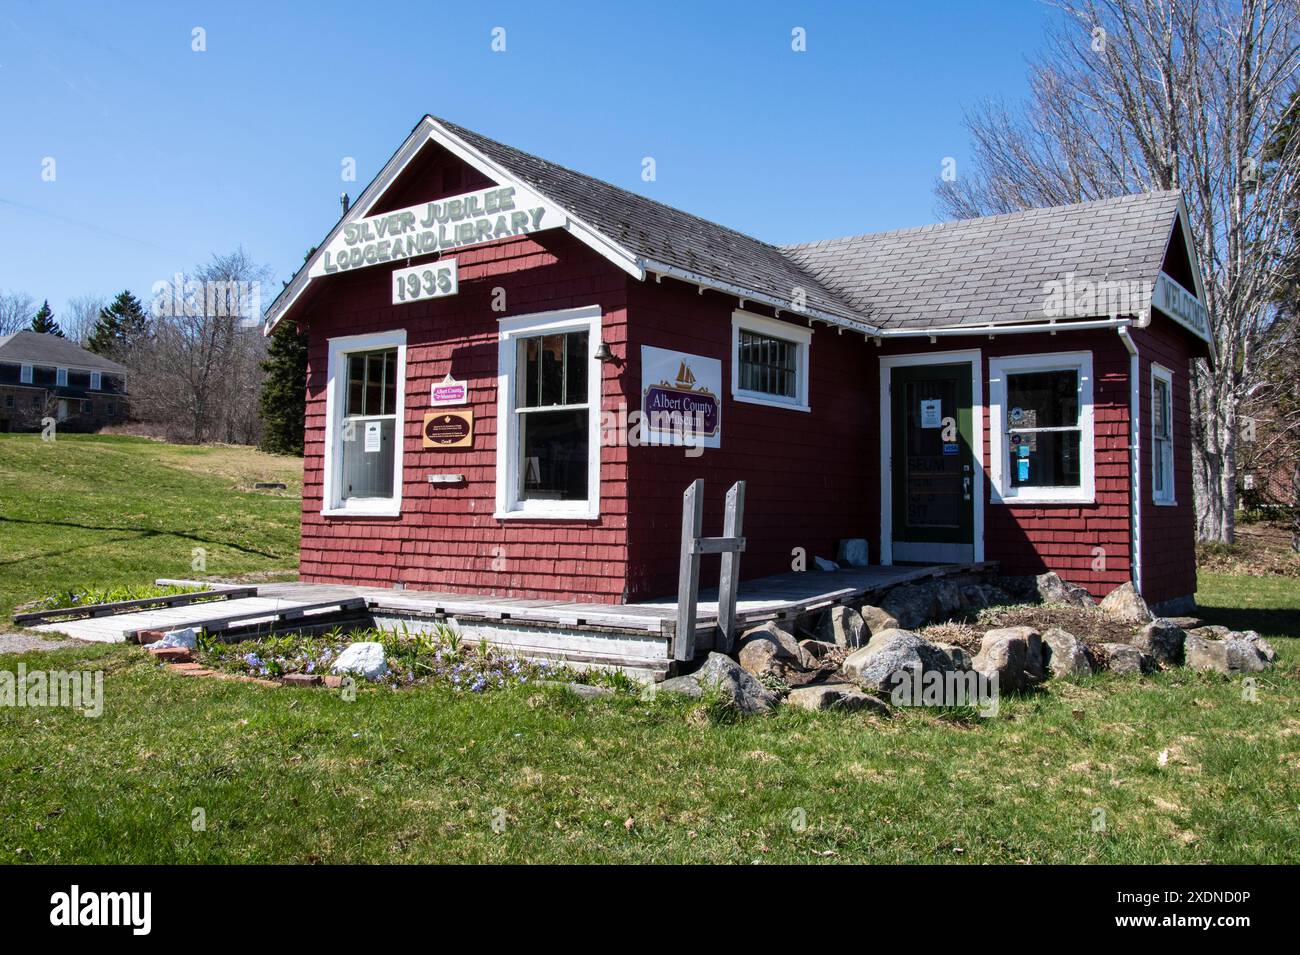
(419, 282)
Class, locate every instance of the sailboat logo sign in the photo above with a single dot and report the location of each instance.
(680, 390)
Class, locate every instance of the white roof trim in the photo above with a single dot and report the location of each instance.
(430, 130)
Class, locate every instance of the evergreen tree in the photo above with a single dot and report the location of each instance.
(284, 391)
(120, 325)
(44, 321)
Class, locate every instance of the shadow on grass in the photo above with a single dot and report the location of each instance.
(1269, 621)
(143, 532)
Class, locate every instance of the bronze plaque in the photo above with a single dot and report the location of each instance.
(449, 429)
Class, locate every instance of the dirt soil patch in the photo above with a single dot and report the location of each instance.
(1090, 626)
(1262, 549)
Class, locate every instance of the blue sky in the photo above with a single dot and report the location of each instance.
(164, 155)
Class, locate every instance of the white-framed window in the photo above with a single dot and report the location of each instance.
(1041, 439)
(61, 377)
(548, 415)
(769, 361)
(96, 381)
(365, 410)
(1162, 435)
(25, 374)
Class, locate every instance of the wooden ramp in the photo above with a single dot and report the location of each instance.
(273, 612)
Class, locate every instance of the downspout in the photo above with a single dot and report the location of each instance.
(1135, 451)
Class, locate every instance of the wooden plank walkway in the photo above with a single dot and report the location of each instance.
(766, 598)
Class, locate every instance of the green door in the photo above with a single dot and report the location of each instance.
(933, 464)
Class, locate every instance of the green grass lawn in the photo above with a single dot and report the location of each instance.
(294, 775)
(105, 511)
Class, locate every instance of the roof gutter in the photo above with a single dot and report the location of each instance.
(703, 282)
(1051, 327)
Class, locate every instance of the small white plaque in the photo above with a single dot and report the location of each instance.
(374, 437)
(420, 282)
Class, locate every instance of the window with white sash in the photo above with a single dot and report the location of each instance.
(365, 403)
(1162, 435)
(1040, 409)
(548, 444)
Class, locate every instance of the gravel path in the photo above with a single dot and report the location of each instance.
(22, 643)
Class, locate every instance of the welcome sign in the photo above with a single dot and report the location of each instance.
(680, 391)
(453, 223)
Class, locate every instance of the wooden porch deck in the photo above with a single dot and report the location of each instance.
(778, 597)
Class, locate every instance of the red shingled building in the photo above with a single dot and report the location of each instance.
(486, 328)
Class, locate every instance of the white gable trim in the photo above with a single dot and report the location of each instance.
(429, 130)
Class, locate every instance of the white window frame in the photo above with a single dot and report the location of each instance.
(1168, 497)
(801, 338)
(60, 377)
(1002, 491)
(96, 381)
(25, 374)
(332, 505)
(509, 506)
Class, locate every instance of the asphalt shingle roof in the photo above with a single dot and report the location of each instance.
(34, 348)
(661, 233)
(994, 269)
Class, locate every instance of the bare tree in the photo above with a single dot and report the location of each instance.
(198, 374)
(16, 311)
(79, 318)
(1137, 95)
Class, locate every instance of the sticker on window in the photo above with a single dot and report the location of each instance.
(950, 448)
(374, 439)
(1022, 469)
(932, 413)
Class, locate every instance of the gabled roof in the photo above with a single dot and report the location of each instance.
(34, 348)
(996, 269)
(972, 273)
(659, 234)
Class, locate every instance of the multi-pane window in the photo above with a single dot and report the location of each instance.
(25, 374)
(768, 365)
(96, 381)
(769, 361)
(553, 416)
(61, 377)
(369, 430)
(1044, 436)
(1162, 436)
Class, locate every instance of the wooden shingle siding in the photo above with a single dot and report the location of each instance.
(446, 537)
(1168, 531)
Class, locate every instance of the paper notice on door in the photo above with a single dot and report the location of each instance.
(932, 413)
(374, 438)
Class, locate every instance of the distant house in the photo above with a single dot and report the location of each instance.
(48, 376)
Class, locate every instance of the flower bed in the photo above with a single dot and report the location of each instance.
(414, 659)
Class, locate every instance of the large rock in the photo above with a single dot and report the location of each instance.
(844, 627)
(365, 660)
(817, 649)
(1064, 654)
(912, 605)
(958, 656)
(1163, 641)
(762, 648)
(1124, 658)
(889, 653)
(853, 552)
(185, 639)
(877, 619)
(1232, 654)
(1052, 589)
(839, 696)
(738, 687)
(1263, 646)
(1125, 604)
(1014, 654)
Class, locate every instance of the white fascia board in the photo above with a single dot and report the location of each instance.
(429, 130)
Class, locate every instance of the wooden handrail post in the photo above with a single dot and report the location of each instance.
(688, 571)
(729, 581)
